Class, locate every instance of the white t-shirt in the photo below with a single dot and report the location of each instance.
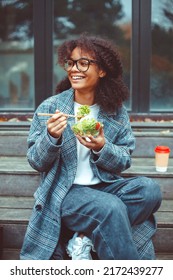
(84, 174)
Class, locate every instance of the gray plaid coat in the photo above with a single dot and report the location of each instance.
(57, 166)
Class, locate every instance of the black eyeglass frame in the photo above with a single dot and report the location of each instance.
(75, 62)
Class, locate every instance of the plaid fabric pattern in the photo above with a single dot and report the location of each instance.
(142, 236)
(57, 166)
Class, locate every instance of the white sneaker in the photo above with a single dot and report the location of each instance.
(79, 248)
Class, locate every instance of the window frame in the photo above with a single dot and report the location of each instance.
(141, 52)
(43, 49)
(43, 18)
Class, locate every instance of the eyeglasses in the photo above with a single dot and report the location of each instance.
(82, 64)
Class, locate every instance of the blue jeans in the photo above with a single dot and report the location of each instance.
(106, 213)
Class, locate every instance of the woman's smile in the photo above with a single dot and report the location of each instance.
(77, 77)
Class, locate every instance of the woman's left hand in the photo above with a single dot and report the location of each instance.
(91, 142)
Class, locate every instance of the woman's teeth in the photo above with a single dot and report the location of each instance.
(77, 77)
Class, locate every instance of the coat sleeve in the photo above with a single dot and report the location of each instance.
(115, 156)
(41, 150)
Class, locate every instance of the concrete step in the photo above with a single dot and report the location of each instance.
(14, 143)
(147, 141)
(19, 179)
(15, 213)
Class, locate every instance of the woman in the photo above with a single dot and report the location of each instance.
(81, 189)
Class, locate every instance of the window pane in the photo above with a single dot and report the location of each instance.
(16, 55)
(104, 18)
(162, 56)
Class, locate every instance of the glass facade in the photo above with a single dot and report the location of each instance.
(161, 85)
(31, 30)
(110, 19)
(16, 55)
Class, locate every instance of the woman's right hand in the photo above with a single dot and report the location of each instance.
(56, 124)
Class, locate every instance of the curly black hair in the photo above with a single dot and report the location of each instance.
(111, 90)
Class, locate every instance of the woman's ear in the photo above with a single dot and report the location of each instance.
(102, 74)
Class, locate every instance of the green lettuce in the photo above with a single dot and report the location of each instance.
(83, 111)
(87, 127)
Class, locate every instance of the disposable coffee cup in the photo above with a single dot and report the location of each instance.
(162, 158)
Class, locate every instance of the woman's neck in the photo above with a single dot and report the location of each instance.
(84, 98)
